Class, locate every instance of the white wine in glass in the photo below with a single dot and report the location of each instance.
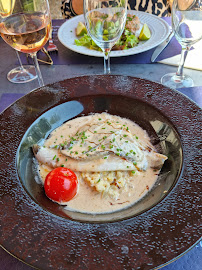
(187, 26)
(27, 28)
(105, 21)
(19, 74)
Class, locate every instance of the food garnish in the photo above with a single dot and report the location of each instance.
(61, 185)
(145, 33)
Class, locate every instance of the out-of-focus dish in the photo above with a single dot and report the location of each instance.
(42, 234)
(158, 27)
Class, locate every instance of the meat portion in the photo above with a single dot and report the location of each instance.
(132, 23)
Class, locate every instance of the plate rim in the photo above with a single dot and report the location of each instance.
(98, 77)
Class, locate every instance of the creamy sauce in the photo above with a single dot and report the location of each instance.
(88, 199)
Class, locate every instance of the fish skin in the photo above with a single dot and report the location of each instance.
(104, 139)
(46, 156)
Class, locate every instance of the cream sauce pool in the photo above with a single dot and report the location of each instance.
(88, 199)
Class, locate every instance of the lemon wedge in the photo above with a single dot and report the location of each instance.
(145, 33)
(81, 29)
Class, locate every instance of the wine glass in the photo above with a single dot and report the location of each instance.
(187, 25)
(22, 74)
(26, 27)
(105, 22)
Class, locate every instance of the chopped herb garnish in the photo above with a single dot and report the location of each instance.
(66, 159)
(125, 135)
(58, 159)
(61, 136)
(100, 119)
(105, 157)
(103, 147)
(111, 131)
(105, 137)
(114, 140)
(70, 148)
(134, 163)
(127, 166)
(95, 131)
(62, 165)
(132, 171)
(127, 128)
(118, 154)
(62, 144)
(126, 141)
(76, 153)
(98, 181)
(104, 128)
(54, 157)
(136, 137)
(111, 146)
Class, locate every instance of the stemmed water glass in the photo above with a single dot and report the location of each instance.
(26, 28)
(105, 21)
(187, 25)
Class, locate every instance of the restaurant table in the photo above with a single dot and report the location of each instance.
(9, 92)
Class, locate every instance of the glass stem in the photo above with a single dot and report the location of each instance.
(38, 71)
(19, 60)
(184, 53)
(106, 61)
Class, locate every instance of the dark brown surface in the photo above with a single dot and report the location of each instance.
(146, 241)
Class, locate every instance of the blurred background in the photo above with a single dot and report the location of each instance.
(55, 9)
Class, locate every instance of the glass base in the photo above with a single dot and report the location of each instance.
(22, 75)
(173, 81)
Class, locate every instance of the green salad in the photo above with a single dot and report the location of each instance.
(127, 40)
(105, 30)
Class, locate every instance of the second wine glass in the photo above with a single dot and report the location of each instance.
(187, 25)
(105, 21)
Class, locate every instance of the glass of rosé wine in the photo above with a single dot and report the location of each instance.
(25, 25)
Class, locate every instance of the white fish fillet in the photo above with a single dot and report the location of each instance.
(104, 143)
(53, 158)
